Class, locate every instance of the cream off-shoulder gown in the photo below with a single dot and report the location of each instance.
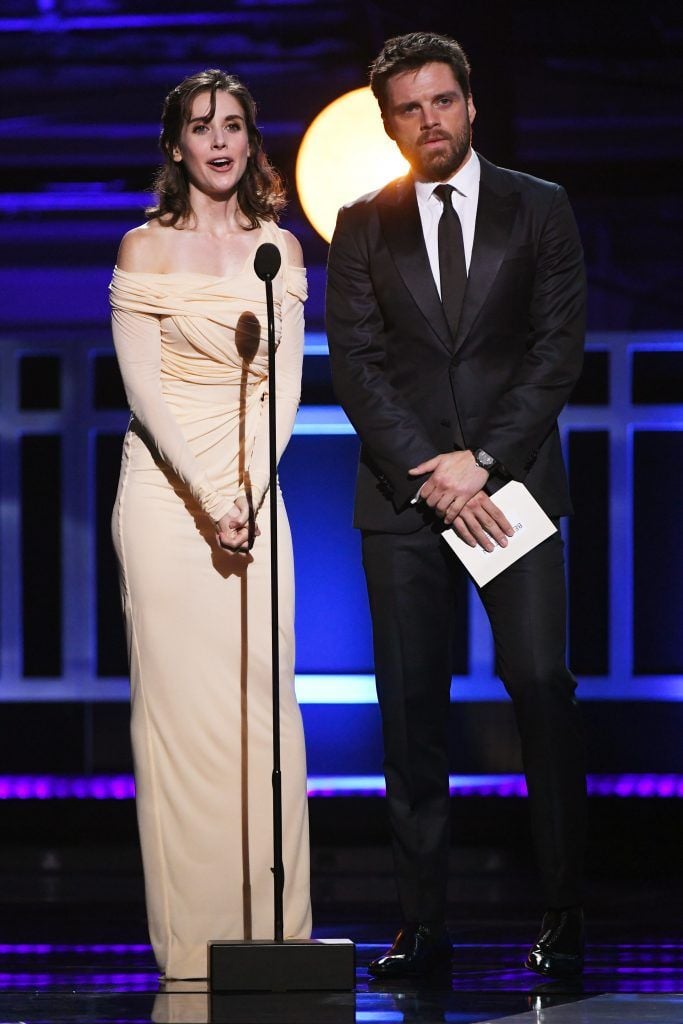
(192, 350)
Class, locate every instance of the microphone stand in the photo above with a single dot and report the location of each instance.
(278, 866)
(257, 965)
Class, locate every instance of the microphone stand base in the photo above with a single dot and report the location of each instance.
(294, 965)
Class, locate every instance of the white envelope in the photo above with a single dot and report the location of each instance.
(531, 526)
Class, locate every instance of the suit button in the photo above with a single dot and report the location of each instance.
(444, 423)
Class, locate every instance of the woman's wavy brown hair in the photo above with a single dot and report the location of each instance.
(260, 192)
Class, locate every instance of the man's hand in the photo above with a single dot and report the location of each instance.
(482, 522)
(236, 529)
(455, 478)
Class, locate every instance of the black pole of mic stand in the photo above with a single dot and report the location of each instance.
(278, 866)
(260, 965)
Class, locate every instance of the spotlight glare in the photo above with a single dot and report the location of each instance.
(344, 154)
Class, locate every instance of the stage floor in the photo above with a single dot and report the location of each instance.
(74, 948)
(630, 978)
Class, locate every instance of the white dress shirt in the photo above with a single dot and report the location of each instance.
(465, 197)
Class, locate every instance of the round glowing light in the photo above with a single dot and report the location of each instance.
(344, 154)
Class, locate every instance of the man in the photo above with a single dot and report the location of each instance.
(455, 325)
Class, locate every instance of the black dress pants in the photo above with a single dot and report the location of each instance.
(410, 580)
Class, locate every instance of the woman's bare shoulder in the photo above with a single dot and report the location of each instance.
(295, 253)
(143, 249)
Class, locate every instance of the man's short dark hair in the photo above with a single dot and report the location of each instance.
(411, 51)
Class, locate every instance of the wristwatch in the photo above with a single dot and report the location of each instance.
(485, 460)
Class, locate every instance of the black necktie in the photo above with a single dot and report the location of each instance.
(452, 268)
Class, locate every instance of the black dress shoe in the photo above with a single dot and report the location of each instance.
(418, 950)
(558, 950)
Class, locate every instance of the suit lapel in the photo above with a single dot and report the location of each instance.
(495, 217)
(402, 230)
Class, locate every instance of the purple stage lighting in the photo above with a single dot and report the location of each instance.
(122, 787)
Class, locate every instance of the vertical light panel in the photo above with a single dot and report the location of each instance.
(658, 558)
(111, 643)
(588, 561)
(41, 555)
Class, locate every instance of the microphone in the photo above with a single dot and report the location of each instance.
(267, 261)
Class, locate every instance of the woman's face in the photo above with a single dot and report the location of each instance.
(214, 152)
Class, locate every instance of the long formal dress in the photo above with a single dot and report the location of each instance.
(192, 350)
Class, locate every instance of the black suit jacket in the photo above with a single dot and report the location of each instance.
(410, 389)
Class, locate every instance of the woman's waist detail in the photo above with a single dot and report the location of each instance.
(231, 392)
(219, 453)
(212, 369)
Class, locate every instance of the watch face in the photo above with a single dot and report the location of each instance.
(484, 459)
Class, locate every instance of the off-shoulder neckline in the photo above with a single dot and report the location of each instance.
(195, 273)
(174, 273)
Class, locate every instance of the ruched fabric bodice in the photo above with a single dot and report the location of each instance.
(209, 323)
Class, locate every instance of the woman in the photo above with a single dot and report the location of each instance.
(191, 532)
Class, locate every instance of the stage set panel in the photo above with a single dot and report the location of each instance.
(62, 640)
